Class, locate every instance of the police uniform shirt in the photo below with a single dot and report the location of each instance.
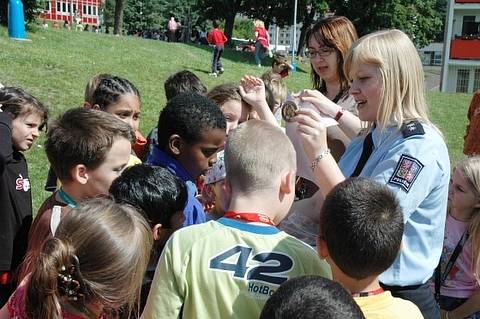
(414, 163)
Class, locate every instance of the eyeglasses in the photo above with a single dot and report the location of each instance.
(323, 52)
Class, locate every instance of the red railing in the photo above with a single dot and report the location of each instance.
(467, 1)
(465, 49)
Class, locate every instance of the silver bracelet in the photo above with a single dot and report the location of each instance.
(319, 158)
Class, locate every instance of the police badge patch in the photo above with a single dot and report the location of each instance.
(406, 172)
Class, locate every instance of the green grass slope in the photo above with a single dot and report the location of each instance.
(57, 64)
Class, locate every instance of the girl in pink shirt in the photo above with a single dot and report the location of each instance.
(459, 290)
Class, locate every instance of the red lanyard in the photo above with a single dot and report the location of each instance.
(250, 217)
(368, 293)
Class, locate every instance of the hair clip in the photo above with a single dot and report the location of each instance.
(70, 281)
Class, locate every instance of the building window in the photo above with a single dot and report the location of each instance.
(94, 11)
(462, 80)
(64, 7)
(59, 6)
(89, 8)
(437, 60)
(468, 25)
(84, 9)
(476, 80)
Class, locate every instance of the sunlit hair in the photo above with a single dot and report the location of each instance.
(470, 169)
(112, 243)
(259, 24)
(335, 32)
(403, 90)
(256, 153)
(223, 93)
(83, 136)
(92, 86)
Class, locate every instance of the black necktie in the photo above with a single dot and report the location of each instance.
(366, 151)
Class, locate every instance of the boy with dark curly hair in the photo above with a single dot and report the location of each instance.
(191, 130)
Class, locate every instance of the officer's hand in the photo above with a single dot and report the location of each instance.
(312, 131)
(320, 101)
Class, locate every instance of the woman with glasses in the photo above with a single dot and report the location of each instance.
(328, 42)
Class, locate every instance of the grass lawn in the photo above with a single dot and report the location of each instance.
(57, 64)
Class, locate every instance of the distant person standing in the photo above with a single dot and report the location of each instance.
(172, 29)
(217, 39)
(202, 34)
(262, 40)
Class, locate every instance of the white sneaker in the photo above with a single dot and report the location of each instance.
(259, 65)
(213, 74)
(221, 70)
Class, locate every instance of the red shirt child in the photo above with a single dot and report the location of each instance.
(216, 37)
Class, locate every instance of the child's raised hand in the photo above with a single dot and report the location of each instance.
(252, 90)
(312, 131)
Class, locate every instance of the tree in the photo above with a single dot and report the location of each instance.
(441, 7)
(221, 9)
(417, 18)
(108, 13)
(30, 8)
(243, 28)
(281, 13)
(118, 20)
(143, 15)
(317, 7)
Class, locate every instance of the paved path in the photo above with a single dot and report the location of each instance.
(432, 77)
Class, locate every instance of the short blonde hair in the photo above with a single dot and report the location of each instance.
(275, 88)
(403, 90)
(259, 24)
(256, 153)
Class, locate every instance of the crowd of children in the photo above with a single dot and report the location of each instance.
(197, 230)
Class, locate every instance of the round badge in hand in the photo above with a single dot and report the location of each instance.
(289, 110)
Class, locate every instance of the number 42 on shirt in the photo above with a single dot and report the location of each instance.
(268, 265)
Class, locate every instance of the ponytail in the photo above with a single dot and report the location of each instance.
(49, 279)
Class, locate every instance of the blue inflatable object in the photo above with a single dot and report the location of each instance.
(16, 20)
